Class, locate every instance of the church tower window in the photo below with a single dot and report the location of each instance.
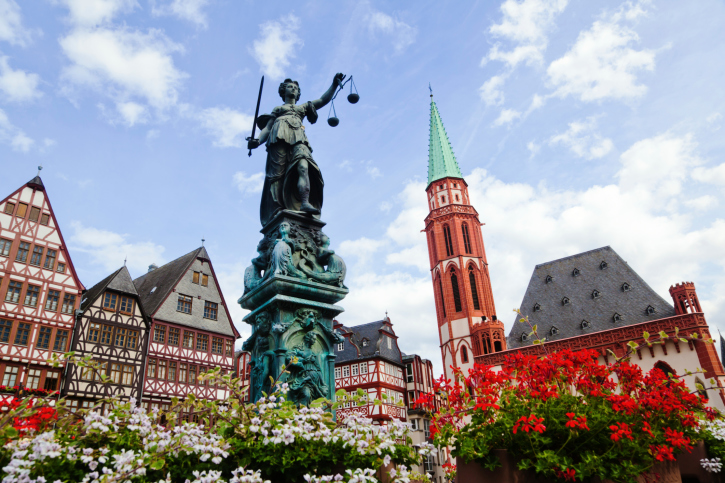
(474, 289)
(466, 239)
(456, 293)
(464, 354)
(449, 242)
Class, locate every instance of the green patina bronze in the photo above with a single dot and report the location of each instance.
(293, 284)
(441, 160)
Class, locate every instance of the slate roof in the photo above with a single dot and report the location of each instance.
(441, 160)
(566, 299)
(36, 183)
(374, 332)
(164, 279)
(119, 281)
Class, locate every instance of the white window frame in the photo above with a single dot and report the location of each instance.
(346, 371)
(363, 368)
(338, 373)
(390, 342)
(340, 346)
(353, 370)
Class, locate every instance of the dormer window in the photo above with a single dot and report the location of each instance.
(576, 272)
(602, 265)
(596, 294)
(553, 331)
(650, 310)
(565, 301)
(626, 287)
(586, 324)
(549, 279)
(616, 317)
(537, 307)
(524, 337)
(365, 342)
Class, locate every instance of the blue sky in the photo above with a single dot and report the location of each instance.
(576, 124)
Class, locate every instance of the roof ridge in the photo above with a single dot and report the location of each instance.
(575, 255)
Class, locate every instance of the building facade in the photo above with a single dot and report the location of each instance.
(40, 291)
(595, 300)
(370, 359)
(191, 329)
(467, 322)
(112, 327)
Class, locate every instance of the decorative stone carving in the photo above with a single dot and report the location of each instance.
(306, 380)
(280, 261)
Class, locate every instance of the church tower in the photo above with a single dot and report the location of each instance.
(467, 321)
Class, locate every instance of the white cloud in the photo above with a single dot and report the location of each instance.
(373, 172)
(639, 214)
(491, 92)
(533, 148)
(108, 249)
(385, 206)
(582, 140)
(702, 203)
(132, 113)
(602, 63)
(90, 13)
(526, 25)
(18, 85)
(248, 184)
(191, 10)
(346, 165)
(361, 250)
(15, 137)
(11, 24)
(507, 116)
(277, 46)
(402, 34)
(126, 65)
(714, 175)
(226, 126)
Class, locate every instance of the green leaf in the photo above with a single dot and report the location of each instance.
(645, 335)
(533, 329)
(158, 464)
(341, 393)
(633, 344)
(11, 432)
(663, 334)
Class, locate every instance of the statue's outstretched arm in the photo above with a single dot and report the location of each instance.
(327, 96)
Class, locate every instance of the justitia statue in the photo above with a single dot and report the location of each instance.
(293, 180)
(292, 286)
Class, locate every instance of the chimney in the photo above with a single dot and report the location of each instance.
(153, 267)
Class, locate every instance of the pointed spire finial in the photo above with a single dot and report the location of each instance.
(40, 168)
(431, 90)
(125, 260)
(202, 242)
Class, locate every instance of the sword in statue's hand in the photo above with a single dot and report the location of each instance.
(256, 113)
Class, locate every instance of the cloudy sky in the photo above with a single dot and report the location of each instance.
(576, 124)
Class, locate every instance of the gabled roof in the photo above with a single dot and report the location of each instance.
(441, 160)
(374, 333)
(587, 287)
(155, 286)
(119, 281)
(37, 183)
(164, 279)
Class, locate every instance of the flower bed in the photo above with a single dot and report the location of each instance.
(566, 416)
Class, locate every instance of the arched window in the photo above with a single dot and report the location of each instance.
(666, 368)
(700, 388)
(464, 354)
(497, 346)
(447, 238)
(486, 343)
(443, 299)
(474, 289)
(466, 239)
(476, 346)
(456, 292)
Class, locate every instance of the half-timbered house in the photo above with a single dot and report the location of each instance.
(191, 329)
(369, 359)
(39, 291)
(112, 327)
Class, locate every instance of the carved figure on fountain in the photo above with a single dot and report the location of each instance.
(306, 379)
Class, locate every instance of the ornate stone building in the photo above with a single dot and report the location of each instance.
(191, 329)
(467, 322)
(40, 291)
(112, 327)
(595, 300)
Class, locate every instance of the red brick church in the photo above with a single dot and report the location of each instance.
(591, 300)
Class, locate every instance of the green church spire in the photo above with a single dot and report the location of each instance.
(441, 160)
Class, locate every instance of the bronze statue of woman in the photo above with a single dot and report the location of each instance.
(293, 180)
